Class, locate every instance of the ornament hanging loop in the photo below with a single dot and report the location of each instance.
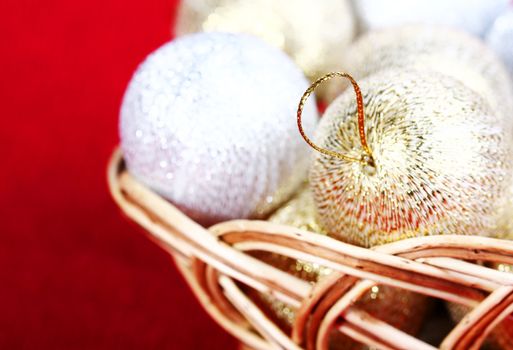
(367, 158)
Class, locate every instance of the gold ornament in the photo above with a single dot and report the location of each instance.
(506, 220)
(300, 212)
(448, 51)
(432, 158)
(314, 33)
(501, 338)
(402, 309)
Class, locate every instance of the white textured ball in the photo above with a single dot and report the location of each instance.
(208, 121)
(500, 38)
(473, 16)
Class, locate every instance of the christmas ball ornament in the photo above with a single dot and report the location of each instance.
(300, 212)
(402, 309)
(500, 38)
(501, 337)
(313, 33)
(506, 220)
(427, 157)
(473, 16)
(451, 52)
(206, 122)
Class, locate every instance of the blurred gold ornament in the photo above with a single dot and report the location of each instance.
(448, 51)
(432, 158)
(314, 33)
(300, 212)
(506, 220)
(402, 309)
(501, 338)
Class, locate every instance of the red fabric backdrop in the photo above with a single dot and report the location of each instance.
(73, 273)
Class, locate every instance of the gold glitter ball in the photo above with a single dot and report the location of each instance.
(448, 51)
(402, 309)
(441, 159)
(300, 212)
(505, 225)
(314, 33)
(501, 337)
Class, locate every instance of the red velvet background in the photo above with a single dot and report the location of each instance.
(74, 274)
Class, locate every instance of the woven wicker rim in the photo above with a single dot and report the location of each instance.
(214, 261)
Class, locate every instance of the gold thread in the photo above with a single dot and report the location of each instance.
(368, 159)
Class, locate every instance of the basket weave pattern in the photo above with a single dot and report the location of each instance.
(215, 262)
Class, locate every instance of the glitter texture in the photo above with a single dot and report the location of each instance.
(501, 337)
(500, 39)
(314, 33)
(402, 309)
(506, 220)
(300, 212)
(441, 160)
(473, 16)
(451, 52)
(207, 121)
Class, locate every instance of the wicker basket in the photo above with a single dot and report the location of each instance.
(214, 263)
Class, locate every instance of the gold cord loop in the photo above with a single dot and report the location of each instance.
(367, 159)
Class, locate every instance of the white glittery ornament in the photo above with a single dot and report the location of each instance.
(500, 39)
(440, 161)
(208, 121)
(313, 33)
(473, 16)
(451, 52)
